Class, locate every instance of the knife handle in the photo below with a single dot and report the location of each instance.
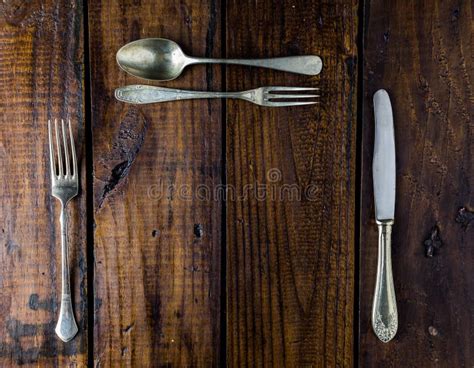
(384, 308)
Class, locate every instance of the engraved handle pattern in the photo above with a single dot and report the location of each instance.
(384, 309)
(142, 94)
(66, 328)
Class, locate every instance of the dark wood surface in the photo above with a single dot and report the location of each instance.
(421, 52)
(290, 251)
(41, 78)
(282, 272)
(157, 246)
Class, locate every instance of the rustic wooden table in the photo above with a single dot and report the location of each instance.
(166, 271)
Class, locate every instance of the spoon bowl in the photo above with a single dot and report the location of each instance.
(152, 58)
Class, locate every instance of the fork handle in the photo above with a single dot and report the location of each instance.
(308, 65)
(143, 94)
(66, 328)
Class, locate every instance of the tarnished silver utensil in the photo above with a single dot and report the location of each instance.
(64, 186)
(384, 309)
(263, 96)
(162, 59)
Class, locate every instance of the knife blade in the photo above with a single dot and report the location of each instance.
(384, 307)
(384, 158)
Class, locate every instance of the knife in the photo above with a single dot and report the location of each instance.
(384, 307)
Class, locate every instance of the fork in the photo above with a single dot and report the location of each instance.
(263, 96)
(65, 186)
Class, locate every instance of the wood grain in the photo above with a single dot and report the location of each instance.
(290, 252)
(421, 52)
(289, 221)
(41, 78)
(157, 250)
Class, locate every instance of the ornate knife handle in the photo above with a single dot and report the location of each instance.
(384, 308)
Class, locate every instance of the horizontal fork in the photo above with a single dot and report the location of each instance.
(263, 96)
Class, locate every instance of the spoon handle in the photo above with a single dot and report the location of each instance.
(308, 65)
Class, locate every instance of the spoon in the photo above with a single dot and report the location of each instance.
(162, 59)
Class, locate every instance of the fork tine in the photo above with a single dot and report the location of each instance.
(289, 89)
(73, 151)
(51, 150)
(272, 96)
(281, 104)
(66, 151)
(58, 146)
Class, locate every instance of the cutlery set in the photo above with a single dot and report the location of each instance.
(163, 60)
(160, 59)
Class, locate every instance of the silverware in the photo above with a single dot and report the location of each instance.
(263, 96)
(65, 186)
(384, 308)
(162, 59)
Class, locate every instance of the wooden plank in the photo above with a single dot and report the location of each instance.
(157, 252)
(421, 52)
(290, 262)
(41, 77)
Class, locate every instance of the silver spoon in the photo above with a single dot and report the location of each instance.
(162, 59)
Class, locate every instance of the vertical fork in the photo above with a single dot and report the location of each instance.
(64, 186)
